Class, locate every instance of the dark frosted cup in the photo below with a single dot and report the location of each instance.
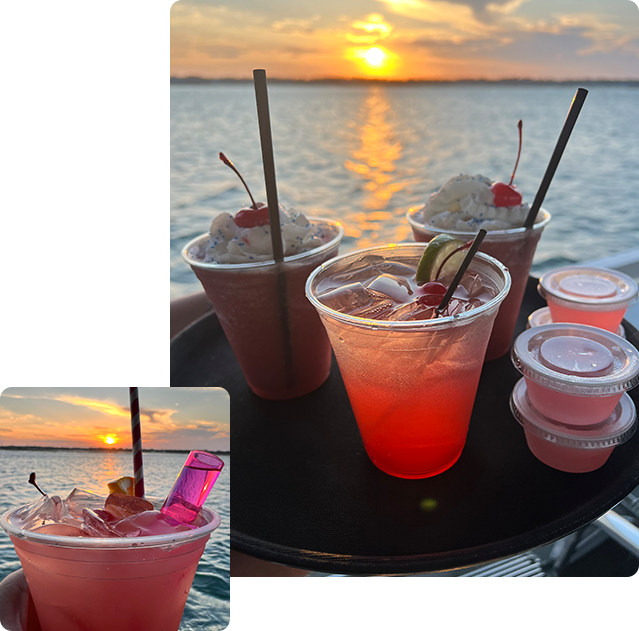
(282, 348)
(514, 248)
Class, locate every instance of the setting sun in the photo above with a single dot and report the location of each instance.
(375, 56)
(110, 439)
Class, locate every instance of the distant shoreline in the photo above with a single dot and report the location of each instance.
(160, 451)
(410, 82)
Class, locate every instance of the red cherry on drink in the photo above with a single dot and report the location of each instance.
(252, 217)
(433, 288)
(257, 215)
(505, 195)
(433, 294)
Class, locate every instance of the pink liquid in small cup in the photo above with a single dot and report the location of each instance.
(607, 320)
(571, 408)
(192, 487)
(580, 357)
(565, 458)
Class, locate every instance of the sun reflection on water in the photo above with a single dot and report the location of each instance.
(374, 162)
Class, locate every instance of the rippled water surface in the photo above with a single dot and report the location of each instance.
(58, 472)
(365, 154)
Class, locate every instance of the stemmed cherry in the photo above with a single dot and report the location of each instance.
(507, 194)
(257, 215)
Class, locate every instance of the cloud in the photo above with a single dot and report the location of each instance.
(296, 26)
(370, 30)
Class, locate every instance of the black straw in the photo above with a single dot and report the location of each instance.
(32, 480)
(569, 123)
(266, 139)
(264, 121)
(462, 270)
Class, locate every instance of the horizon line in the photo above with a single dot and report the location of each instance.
(180, 451)
(196, 79)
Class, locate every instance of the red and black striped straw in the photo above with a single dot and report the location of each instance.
(136, 439)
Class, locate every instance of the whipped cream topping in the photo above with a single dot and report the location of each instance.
(466, 204)
(229, 243)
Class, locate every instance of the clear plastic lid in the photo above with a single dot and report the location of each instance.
(576, 359)
(591, 288)
(542, 316)
(616, 429)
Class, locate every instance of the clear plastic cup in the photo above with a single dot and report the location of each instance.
(411, 384)
(569, 448)
(588, 295)
(515, 248)
(542, 316)
(282, 349)
(575, 374)
(101, 584)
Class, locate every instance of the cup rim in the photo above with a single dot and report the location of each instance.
(613, 431)
(530, 367)
(491, 234)
(422, 325)
(108, 543)
(262, 264)
(588, 304)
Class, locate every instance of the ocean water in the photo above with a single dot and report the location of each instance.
(364, 154)
(58, 472)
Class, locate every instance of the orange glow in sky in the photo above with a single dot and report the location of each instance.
(170, 418)
(429, 39)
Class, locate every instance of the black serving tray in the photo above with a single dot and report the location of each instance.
(304, 492)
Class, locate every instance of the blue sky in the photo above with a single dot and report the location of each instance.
(171, 418)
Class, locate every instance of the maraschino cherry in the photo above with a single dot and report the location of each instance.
(432, 293)
(507, 194)
(257, 215)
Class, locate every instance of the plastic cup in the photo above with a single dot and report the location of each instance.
(101, 584)
(575, 374)
(192, 486)
(569, 448)
(514, 248)
(282, 349)
(588, 295)
(411, 384)
(542, 316)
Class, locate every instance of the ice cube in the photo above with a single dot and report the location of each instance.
(78, 500)
(346, 298)
(472, 284)
(377, 310)
(95, 526)
(123, 506)
(149, 523)
(391, 286)
(48, 510)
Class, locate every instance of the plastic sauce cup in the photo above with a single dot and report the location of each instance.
(569, 448)
(574, 373)
(588, 295)
(542, 316)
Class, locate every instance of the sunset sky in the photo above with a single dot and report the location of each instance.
(406, 39)
(171, 418)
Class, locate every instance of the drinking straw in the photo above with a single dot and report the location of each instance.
(266, 140)
(462, 269)
(569, 123)
(264, 121)
(136, 439)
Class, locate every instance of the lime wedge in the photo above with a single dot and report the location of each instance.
(442, 246)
